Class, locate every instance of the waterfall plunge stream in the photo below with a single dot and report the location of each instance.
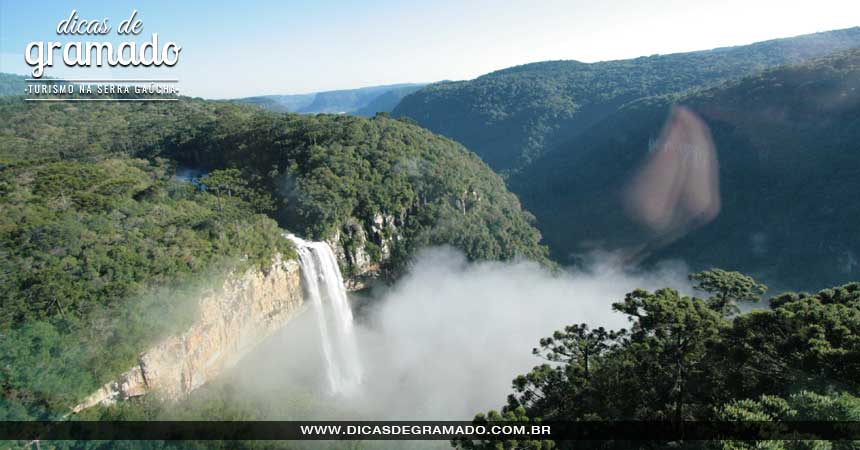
(327, 294)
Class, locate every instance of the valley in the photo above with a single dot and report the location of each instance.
(780, 134)
(668, 238)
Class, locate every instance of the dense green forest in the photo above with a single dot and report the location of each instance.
(689, 358)
(513, 116)
(322, 170)
(99, 236)
(99, 260)
(104, 247)
(327, 169)
(786, 143)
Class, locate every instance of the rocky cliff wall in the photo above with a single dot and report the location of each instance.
(364, 246)
(232, 319)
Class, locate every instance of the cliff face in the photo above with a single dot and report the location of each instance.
(232, 319)
(363, 246)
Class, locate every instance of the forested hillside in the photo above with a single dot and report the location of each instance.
(364, 102)
(513, 116)
(687, 358)
(99, 236)
(787, 144)
(322, 170)
(387, 101)
(99, 260)
(328, 170)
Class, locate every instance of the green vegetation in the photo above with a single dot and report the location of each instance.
(386, 102)
(323, 171)
(728, 288)
(786, 141)
(513, 116)
(327, 171)
(683, 358)
(104, 248)
(98, 261)
(569, 136)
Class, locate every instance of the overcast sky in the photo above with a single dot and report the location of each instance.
(250, 47)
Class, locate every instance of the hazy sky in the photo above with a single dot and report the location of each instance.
(254, 47)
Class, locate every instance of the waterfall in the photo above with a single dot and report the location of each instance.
(324, 287)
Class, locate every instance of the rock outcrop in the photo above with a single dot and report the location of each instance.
(363, 246)
(232, 320)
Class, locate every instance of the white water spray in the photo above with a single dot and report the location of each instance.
(324, 285)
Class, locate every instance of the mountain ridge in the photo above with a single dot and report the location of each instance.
(787, 166)
(512, 116)
(363, 101)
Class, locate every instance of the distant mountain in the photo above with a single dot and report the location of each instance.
(365, 101)
(280, 103)
(387, 101)
(513, 116)
(788, 147)
(11, 84)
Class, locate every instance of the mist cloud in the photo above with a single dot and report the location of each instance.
(447, 339)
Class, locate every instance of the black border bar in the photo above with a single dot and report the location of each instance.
(427, 430)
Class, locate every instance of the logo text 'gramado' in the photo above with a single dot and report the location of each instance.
(87, 54)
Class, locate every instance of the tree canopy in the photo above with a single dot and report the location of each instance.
(683, 359)
(785, 143)
(513, 116)
(104, 245)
